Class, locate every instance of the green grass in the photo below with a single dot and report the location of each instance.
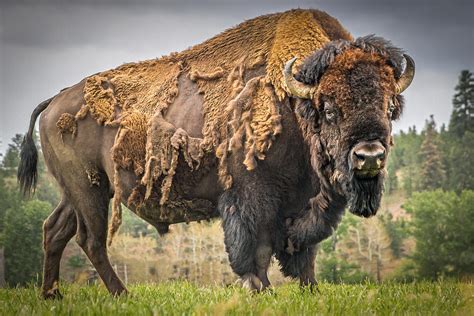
(179, 298)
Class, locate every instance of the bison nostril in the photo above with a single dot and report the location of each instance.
(360, 156)
(370, 159)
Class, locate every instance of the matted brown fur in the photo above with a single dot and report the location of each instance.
(67, 124)
(239, 74)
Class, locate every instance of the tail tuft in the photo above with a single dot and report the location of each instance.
(27, 170)
(27, 173)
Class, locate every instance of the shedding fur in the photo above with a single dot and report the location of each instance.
(163, 148)
(101, 102)
(128, 151)
(159, 154)
(67, 124)
(216, 74)
(116, 218)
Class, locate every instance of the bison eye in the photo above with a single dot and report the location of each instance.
(330, 114)
(391, 108)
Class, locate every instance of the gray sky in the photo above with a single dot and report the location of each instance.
(46, 45)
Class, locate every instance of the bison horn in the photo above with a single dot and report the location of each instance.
(296, 88)
(407, 76)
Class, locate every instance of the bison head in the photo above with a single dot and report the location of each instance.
(349, 94)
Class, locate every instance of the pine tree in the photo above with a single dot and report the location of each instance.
(433, 174)
(459, 140)
(462, 117)
(11, 158)
(461, 168)
(392, 181)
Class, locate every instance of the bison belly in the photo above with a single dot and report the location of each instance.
(193, 183)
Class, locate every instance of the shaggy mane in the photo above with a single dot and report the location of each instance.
(315, 65)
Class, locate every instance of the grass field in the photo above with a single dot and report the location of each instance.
(178, 298)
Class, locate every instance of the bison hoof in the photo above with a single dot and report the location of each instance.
(52, 294)
(251, 282)
(119, 292)
(310, 285)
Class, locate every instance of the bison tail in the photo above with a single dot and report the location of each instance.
(27, 174)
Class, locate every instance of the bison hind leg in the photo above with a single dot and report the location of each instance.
(91, 236)
(58, 229)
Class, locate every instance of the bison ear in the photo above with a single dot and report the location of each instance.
(399, 103)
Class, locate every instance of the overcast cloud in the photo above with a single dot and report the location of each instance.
(48, 45)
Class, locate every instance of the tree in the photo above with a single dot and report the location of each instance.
(404, 161)
(433, 174)
(459, 140)
(391, 184)
(2, 268)
(444, 234)
(11, 159)
(372, 245)
(397, 232)
(462, 117)
(22, 240)
(9, 197)
(461, 168)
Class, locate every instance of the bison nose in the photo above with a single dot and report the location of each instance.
(368, 156)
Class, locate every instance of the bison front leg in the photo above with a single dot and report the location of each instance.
(247, 225)
(299, 265)
(316, 222)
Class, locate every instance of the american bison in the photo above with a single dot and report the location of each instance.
(276, 126)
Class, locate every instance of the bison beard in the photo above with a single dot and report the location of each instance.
(364, 195)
